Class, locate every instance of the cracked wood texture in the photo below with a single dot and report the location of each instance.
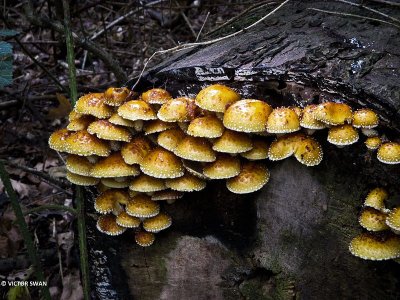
(289, 240)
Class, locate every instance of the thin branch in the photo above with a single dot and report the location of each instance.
(386, 2)
(50, 207)
(202, 26)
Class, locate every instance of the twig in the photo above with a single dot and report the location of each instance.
(7, 104)
(23, 227)
(352, 15)
(386, 2)
(191, 45)
(51, 207)
(202, 26)
(185, 18)
(370, 9)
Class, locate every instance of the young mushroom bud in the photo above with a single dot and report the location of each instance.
(216, 98)
(144, 238)
(389, 153)
(116, 96)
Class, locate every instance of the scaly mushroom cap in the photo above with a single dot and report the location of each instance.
(259, 151)
(81, 180)
(127, 221)
(308, 152)
(105, 202)
(283, 120)
(181, 109)
(233, 142)
(144, 238)
(161, 163)
(78, 165)
(373, 219)
(73, 115)
(155, 126)
(116, 119)
(333, 113)
(142, 206)
(107, 224)
(208, 126)
(297, 110)
(216, 98)
(196, 149)
(247, 115)
(372, 247)
(136, 110)
(136, 150)
(224, 167)
(365, 118)
(84, 144)
(58, 139)
(80, 123)
(156, 224)
(389, 153)
(170, 138)
(376, 199)
(116, 96)
(147, 184)
(156, 96)
(166, 195)
(113, 166)
(93, 104)
(105, 130)
(373, 143)
(342, 135)
(251, 178)
(393, 219)
(186, 183)
(116, 184)
(308, 120)
(283, 146)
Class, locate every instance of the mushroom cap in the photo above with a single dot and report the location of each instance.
(393, 219)
(156, 224)
(186, 183)
(93, 104)
(252, 177)
(208, 126)
(166, 195)
(196, 149)
(373, 247)
(105, 202)
(259, 151)
(373, 219)
(224, 167)
(195, 168)
(116, 96)
(233, 142)
(80, 123)
(147, 184)
(73, 115)
(297, 110)
(142, 206)
(105, 130)
(107, 224)
(156, 96)
(181, 109)
(216, 97)
(342, 135)
(365, 118)
(78, 165)
(144, 238)
(308, 151)
(161, 163)
(116, 119)
(155, 126)
(283, 146)
(58, 139)
(247, 115)
(373, 142)
(170, 138)
(113, 166)
(376, 199)
(112, 183)
(332, 113)
(127, 221)
(136, 150)
(84, 144)
(389, 153)
(283, 120)
(136, 110)
(308, 120)
(81, 180)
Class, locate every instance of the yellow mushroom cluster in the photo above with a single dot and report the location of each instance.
(381, 238)
(150, 148)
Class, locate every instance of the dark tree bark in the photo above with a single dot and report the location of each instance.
(291, 238)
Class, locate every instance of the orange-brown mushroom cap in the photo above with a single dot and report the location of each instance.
(389, 153)
(373, 219)
(216, 97)
(105, 202)
(81, 180)
(107, 224)
(127, 221)
(136, 110)
(308, 120)
(113, 166)
(224, 167)
(332, 113)
(156, 96)
(147, 184)
(156, 224)
(181, 109)
(283, 120)
(186, 183)
(116, 119)
(170, 138)
(233, 142)
(144, 238)
(105, 130)
(116, 96)
(136, 150)
(58, 139)
(343, 135)
(196, 149)
(80, 123)
(78, 165)
(365, 118)
(155, 126)
(93, 104)
(161, 163)
(252, 177)
(376, 199)
(208, 126)
(142, 206)
(259, 150)
(308, 152)
(84, 144)
(393, 219)
(283, 146)
(373, 142)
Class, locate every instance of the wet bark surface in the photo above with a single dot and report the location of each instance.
(291, 238)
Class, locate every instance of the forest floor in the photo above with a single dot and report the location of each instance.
(36, 103)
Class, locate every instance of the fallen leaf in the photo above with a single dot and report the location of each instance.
(22, 189)
(62, 110)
